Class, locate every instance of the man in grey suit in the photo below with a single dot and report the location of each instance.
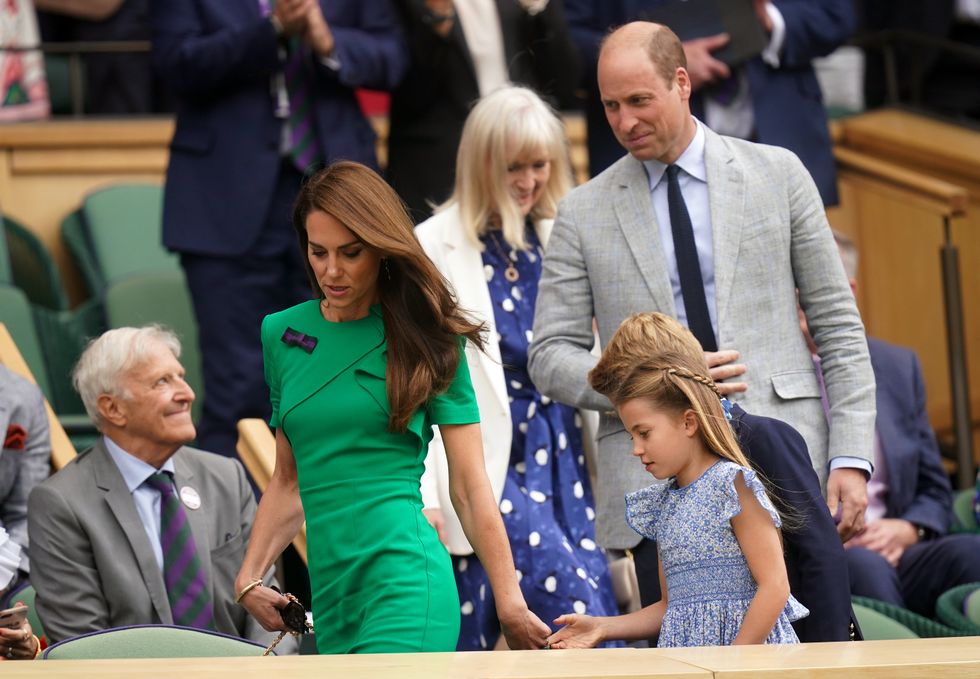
(97, 549)
(719, 233)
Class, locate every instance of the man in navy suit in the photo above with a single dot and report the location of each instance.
(265, 94)
(774, 98)
(904, 555)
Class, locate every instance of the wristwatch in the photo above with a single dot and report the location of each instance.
(430, 18)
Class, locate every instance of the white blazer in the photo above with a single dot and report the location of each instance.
(460, 261)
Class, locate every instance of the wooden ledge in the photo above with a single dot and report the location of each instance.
(103, 133)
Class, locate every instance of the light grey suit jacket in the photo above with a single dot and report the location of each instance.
(770, 236)
(21, 469)
(92, 564)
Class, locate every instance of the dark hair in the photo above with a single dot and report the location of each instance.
(422, 320)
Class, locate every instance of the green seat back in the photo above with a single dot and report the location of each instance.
(123, 224)
(959, 608)
(32, 268)
(75, 238)
(965, 517)
(59, 83)
(160, 297)
(876, 626)
(151, 641)
(6, 272)
(17, 315)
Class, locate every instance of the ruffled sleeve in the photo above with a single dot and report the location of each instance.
(729, 495)
(643, 508)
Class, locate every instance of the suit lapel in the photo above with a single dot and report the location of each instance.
(184, 477)
(726, 199)
(464, 266)
(120, 502)
(634, 210)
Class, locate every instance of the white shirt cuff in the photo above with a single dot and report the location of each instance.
(333, 63)
(770, 54)
(851, 462)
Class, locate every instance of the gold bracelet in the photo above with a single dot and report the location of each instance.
(37, 646)
(248, 588)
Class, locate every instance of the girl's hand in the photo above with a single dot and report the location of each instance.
(264, 604)
(579, 631)
(524, 630)
(18, 643)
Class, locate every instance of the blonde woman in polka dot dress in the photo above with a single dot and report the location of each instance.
(487, 239)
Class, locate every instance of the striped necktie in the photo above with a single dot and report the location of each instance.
(187, 587)
(303, 147)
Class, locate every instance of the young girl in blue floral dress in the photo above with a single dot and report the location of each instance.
(721, 559)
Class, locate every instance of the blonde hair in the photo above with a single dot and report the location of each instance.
(653, 357)
(507, 123)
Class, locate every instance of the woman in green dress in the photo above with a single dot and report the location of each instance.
(358, 377)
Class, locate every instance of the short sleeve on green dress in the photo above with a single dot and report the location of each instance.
(456, 405)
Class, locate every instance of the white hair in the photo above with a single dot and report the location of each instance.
(107, 358)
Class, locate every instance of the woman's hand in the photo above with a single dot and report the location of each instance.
(264, 604)
(579, 631)
(524, 630)
(438, 522)
(18, 643)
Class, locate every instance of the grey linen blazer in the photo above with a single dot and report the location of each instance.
(770, 236)
(92, 564)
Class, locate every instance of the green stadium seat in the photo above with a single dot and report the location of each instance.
(32, 268)
(959, 608)
(123, 225)
(965, 519)
(16, 313)
(75, 238)
(917, 625)
(152, 641)
(877, 626)
(26, 594)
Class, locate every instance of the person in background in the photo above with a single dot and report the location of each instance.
(904, 556)
(462, 50)
(488, 240)
(265, 94)
(25, 461)
(722, 575)
(140, 529)
(773, 98)
(358, 377)
(719, 233)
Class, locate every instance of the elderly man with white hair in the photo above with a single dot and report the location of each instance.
(140, 528)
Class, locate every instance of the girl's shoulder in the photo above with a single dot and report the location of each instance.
(644, 506)
(724, 474)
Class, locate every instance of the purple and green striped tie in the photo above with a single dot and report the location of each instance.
(303, 147)
(187, 588)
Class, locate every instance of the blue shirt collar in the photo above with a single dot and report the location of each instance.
(134, 471)
(691, 160)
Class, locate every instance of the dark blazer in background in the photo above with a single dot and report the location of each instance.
(92, 563)
(430, 106)
(787, 101)
(815, 559)
(219, 58)
(918, 488)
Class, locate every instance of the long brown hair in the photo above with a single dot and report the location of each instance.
(654, 357)
(422, 320)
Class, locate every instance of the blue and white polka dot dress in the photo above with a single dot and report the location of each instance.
(547, 503)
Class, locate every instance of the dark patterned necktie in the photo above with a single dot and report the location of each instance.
(688, 265)
(187, 588)
(303, 147)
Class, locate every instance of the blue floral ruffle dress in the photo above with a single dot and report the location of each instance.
(546, 503)
(709, 585)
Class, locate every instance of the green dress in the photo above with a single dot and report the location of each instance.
(381, 581)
